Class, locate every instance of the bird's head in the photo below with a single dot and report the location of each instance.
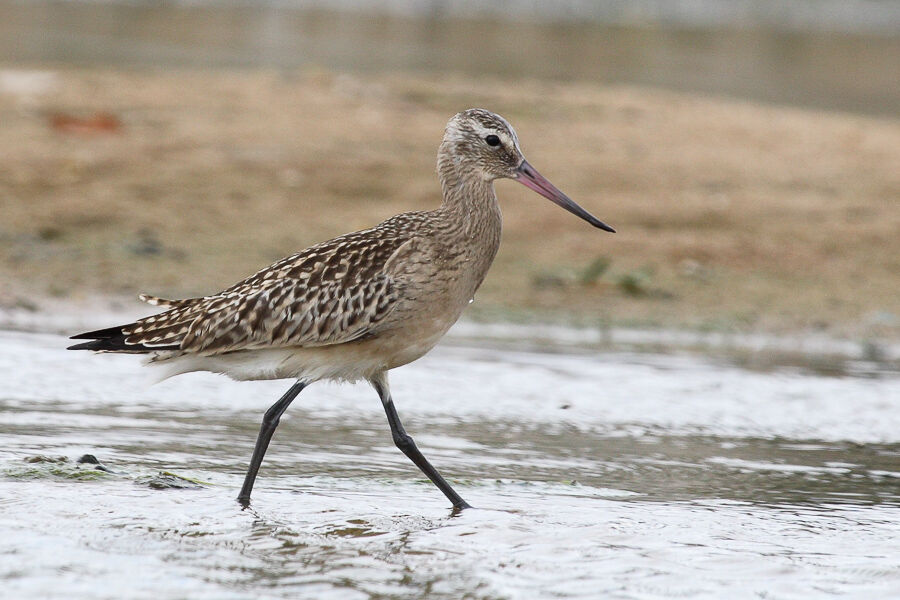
(484, 143)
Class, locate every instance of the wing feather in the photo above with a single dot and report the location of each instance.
(332, 293)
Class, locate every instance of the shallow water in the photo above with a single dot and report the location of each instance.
(594, 476)
(845, 70)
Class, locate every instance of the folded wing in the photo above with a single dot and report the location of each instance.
(336, 292)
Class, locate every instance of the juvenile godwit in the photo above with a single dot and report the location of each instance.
(354, 307)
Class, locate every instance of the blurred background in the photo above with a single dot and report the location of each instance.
(747, 151)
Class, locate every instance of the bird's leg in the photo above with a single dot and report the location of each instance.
(406, 444)
(269, 423)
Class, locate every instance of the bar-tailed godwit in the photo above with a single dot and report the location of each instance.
(354, 307)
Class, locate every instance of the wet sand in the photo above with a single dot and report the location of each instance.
(732, 216)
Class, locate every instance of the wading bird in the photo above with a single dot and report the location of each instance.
(354, 307)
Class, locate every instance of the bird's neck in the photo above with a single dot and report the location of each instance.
(471, 215)
(468, 198)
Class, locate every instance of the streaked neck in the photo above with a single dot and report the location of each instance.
(466, 195)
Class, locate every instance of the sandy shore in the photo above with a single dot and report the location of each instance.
(731, 216)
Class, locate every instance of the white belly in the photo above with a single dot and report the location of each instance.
(353, 361)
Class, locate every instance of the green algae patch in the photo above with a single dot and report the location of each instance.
(58, 467)
(165, 480)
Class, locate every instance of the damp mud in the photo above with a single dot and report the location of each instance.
(593, 475)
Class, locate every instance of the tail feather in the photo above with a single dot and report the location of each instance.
(151, 334)
(113, 339)
(100, 334)
(157, 301)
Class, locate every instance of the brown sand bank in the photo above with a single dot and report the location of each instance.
(730, 215)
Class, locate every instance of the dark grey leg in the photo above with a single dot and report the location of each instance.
(269, 423)
(406, 444)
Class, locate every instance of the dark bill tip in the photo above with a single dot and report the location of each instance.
(530, 178)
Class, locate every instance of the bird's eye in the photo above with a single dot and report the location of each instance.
(492, 140)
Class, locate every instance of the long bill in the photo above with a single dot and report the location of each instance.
(530, 178)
